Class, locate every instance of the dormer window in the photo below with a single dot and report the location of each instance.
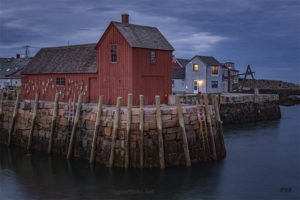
(113, 53)
(214, 70)
(152, 57)
(196, 67)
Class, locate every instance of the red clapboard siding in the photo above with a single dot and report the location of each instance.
(115, 79)
(152, 79)
(46, 85)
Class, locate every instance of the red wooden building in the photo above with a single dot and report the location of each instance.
(127, 59)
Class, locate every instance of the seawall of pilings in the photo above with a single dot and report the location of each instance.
(143, 136)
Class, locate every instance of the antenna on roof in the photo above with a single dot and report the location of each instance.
(27, 51)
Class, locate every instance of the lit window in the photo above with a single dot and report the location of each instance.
(60, 81)
(113, 53)
(215, 70)
(214, 84)
(196, 68)
(152, 57)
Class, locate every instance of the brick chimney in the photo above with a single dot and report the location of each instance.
(125, 18)
(18, 56)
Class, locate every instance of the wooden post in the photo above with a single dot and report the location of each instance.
(53, 122)
(203, 116)
(15, 114)
(128, 127)
(219, 125)
(160, 136)
(208, 119)
(76, 119)
(114, 132)
(97, 125)
(1, 102)
(35, 109)
(200, 133)
(184, 137)
(141, 128)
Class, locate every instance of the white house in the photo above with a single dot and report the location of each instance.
(203, 74)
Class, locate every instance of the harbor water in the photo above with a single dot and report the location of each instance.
(262, 162)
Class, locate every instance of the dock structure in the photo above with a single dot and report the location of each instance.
(133, 136)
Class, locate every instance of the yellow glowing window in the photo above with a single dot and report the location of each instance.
(196, 68)
(215, 70)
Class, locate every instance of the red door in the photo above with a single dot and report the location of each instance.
(93, 92)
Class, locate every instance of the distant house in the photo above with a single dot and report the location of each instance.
(128, 58)
(178, 76)
(202, 74)
(230, 76)
(10, 71)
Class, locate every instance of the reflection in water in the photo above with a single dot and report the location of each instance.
(262, 158)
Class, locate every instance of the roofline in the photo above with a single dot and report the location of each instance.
(60, 73)
(205, 63)
(104, 33)
(54, 47)
(112, 23)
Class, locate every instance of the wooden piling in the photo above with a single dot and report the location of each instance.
(210, 131)
(15, 114)
(53, 122)
(200, 132)
(184, 137)
(203, 116)
(128, 127)
(141, 128)
(219, 125)
(35, 110)
(1, 102)
(96, 130)
(160, 136)
(75, 123)
(114, 132)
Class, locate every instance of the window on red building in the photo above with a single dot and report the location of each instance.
(60, 81)
(113, 53)
(152, 57)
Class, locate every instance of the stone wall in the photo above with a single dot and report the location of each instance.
(244, 108)
(173, 147)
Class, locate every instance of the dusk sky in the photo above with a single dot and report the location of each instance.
(262, 33)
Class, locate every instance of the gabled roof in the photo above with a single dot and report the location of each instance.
(143, 36)
(208, 60)
(64, 59)
(183, 62)
(11, 65)
(178, 72)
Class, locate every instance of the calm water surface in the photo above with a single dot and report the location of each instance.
(262, 162)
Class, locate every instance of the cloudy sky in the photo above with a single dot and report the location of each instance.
(262, 33)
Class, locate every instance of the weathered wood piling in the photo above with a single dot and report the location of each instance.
(210, 131)
(141, 128)
(96, 129)
(12, 127)
(53, 122)
(114, 132)
(160, 135)
(34, 116)
(75, 124)
(183, 133)
(128, 127)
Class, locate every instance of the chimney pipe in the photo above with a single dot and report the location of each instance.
(18, 56)
(125, 18)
